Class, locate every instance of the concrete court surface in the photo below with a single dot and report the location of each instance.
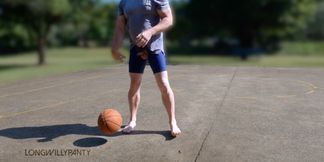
(227, 114)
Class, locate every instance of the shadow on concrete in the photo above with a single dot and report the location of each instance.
(89, 142)
(48, 133)
(166, 133)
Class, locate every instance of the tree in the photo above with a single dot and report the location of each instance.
(14, 38)
(253, 22)
(181, 31)
(37, 16)
(88, 22)
(80, 18)
(315, 28)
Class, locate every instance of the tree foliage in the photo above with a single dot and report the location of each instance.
(27, 24)
(88, 22)
(79, 22)
(36, 16)
(253, 22)
(315, 27)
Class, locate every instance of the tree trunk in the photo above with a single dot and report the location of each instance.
(41, 42)
(246, 44)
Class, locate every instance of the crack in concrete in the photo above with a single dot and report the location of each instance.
(220, 107)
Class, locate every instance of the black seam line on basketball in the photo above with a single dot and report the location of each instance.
(106, 125)
(112, 122)
(112, 116)
(220, 107)
(105, 122)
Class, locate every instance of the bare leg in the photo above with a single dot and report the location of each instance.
(133, 100)
(168, 100)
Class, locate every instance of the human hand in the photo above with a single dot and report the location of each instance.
(118, 56)
(143, 38)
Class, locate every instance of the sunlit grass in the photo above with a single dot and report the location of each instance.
(263, 60)
(65, 60)
(302, 48)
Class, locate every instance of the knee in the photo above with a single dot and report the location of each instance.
(135, 84)
(134, 88)
(165, 89)
(133, 93)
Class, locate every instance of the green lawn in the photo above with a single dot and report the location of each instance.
(292, 54)
(264, 60)
(303, 48)
(64, 60)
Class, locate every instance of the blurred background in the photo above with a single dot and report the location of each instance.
(47, 37)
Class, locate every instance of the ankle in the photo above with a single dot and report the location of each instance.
(132, 120)
(173, 122)
(132, 123)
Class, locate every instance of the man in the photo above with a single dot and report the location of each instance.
(145, 20)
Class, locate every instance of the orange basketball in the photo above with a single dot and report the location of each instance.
(109, 121)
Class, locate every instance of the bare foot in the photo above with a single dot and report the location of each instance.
(175, 130)
(130, 127)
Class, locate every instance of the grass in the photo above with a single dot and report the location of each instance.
(267, 61)
(65, 60)
(303, 48)
(292, 54)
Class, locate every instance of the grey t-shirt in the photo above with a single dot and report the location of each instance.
(142, 15)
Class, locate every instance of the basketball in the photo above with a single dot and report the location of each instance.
(109, 121)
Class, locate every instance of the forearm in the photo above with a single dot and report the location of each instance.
(119, 33)
(162, 26)
(117, 40)
(166, 21)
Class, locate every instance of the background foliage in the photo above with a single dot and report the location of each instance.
(224, 26)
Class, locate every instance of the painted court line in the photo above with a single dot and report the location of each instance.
(286, 96)
(30, 109)
(247, 97)
(55, 104)
(313, 87)
(311, 90)
(51, 86)
(35, 109)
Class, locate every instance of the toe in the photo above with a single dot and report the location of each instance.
(127, 129)
(175, 133)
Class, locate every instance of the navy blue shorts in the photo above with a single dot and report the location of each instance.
(137, 65)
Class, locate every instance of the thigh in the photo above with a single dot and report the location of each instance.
(136, 64)
(158, 62)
